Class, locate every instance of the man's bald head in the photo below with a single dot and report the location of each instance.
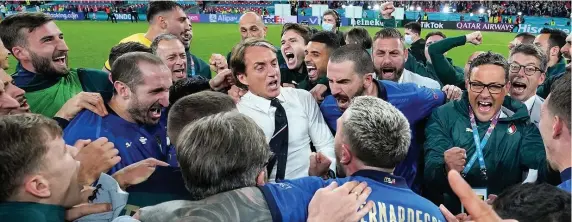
(252, 25)
(470, 60)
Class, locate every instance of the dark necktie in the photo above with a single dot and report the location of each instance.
(279, 141)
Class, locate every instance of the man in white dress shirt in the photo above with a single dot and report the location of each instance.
(528, 64)
(289, 117)
(389, 56)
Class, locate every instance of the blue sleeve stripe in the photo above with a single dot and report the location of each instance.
(272, 206)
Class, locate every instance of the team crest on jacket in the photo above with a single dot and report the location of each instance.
(511, 129)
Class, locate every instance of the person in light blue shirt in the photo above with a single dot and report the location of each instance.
(136, 123)
(554, 128)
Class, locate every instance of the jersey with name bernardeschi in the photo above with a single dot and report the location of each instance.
(394, 201)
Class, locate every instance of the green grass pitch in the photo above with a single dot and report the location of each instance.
(89, 42)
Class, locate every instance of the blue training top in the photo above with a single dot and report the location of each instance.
(394, 201)
(133, 141)
(415, 102)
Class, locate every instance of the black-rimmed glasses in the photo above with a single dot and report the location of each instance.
(529, 70)
(494, 88)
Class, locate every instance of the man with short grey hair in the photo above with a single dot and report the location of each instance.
(172, 52)
(234, 162)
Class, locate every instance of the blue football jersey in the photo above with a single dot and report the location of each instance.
(133, 141)
(394, 201)
(416, 103)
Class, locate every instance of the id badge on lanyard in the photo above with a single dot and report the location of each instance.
(479, 144)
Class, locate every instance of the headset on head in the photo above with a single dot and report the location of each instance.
(338, 19)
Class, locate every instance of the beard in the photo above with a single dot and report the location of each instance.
(140, 113)
(340, 173)
(397, 73)
(44, 65)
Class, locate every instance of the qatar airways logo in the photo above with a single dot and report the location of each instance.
(502, 27)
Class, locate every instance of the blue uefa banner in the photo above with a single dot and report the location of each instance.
(312, 20)
(220, 18)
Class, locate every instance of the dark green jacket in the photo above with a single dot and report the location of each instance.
(557, 68)
(507, 153)
(544, 89)
(444, 68)
(31, 212)
(417, 49)
(293, 76)
(388, 23)
(201, 68)
(552, 74)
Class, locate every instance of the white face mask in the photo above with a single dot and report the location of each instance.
(408, 39)
(327, 26)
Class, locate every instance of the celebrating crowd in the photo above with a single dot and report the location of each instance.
(328, 126)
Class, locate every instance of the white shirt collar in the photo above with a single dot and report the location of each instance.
(405, 72)
(262, 103)
(530, 102)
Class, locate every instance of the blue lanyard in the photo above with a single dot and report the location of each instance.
(479, 145)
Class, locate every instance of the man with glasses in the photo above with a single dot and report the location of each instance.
(527, 71)
(486, 136)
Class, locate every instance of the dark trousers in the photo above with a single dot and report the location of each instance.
(135, 16)
(112, 17)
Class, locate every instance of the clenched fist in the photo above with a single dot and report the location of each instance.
(386, 9)
(476, 38)
(455, 159)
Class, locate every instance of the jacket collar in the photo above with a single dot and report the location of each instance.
(557, 68)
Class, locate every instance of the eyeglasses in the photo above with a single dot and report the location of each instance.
(529, 70)
(493, 88)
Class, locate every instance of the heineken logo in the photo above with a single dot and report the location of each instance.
(369, 22)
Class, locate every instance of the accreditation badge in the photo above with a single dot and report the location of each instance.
(481, 193)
